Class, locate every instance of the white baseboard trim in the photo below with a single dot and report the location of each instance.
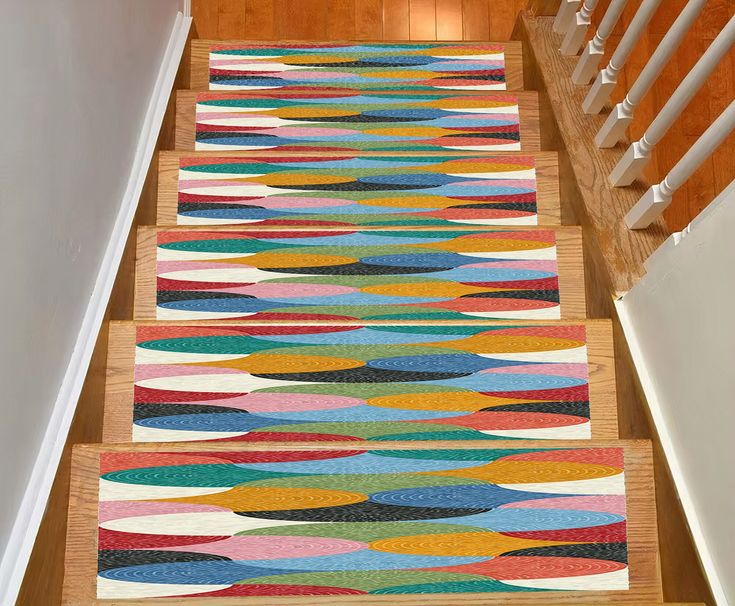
(28, 519)
(672, 459)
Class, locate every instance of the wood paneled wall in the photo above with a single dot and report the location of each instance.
(356, 19)
(494, 20)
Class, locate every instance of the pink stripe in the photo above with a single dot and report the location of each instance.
(614, 504)
(524, 183)
(117, 510)
(288, 131)
(169, 266)
(271, 547)
(577, 371)
(549, 266)
(274, 289)
(144, 372)
(218, 183)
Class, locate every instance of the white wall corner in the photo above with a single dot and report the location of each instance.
(186, 8)
(668, 444)
(29, 516)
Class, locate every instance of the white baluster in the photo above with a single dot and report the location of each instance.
(589, 63)
(607, 79)
(622, 115)
(656, 199)
(567, 10)
(574, 38)
(631, 165)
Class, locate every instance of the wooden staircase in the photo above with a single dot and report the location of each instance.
(361, 369)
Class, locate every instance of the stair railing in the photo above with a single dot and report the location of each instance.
(619, 120)
(572, 21)
(658, 197)
(574, 38)
(607, 79)
(589, 62)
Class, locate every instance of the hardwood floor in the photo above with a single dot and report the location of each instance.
(494, 19)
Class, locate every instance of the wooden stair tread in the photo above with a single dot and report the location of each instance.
(314, 386)
(561, 245)
(194, 108)
(137, 476)
(186, 186)
(512, 50)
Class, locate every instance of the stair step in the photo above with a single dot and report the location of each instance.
(203, 519)
(347, 121)
(292, 189)
(235, 64)
(370, 274)
(349, 382)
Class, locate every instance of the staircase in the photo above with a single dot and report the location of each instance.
(360, 369)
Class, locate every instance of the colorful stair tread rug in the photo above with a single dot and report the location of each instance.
(358, 190)
(356, 121)
(302, 383)
(357, 275)
(352, 522)
(401, 67)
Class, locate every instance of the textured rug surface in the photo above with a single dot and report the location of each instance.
(358, 190)
(350, 382)
(360, 66)
(357, 121)
(361, 522)
(338, 275)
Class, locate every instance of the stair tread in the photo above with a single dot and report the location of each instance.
(507, 273)
(208, 188)
(291, 121)
(603, 486)
(321, 371)
(394, 73)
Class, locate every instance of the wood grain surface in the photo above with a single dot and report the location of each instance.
(547, 177)
(81, 553)
(569, 260)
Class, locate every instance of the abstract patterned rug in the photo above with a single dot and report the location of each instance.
(373, 66)
(356, 121)
(430, 382)
(358, 190)
(354, 275)
(356, 522)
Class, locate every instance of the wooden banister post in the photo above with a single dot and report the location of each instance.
(606, 80)
(577, 31)
(631, 165)
(589, 62)
(622, 115)
(656, 199)
(564, 17)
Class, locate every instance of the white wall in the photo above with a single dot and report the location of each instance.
(680, 322)
(77, 79)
